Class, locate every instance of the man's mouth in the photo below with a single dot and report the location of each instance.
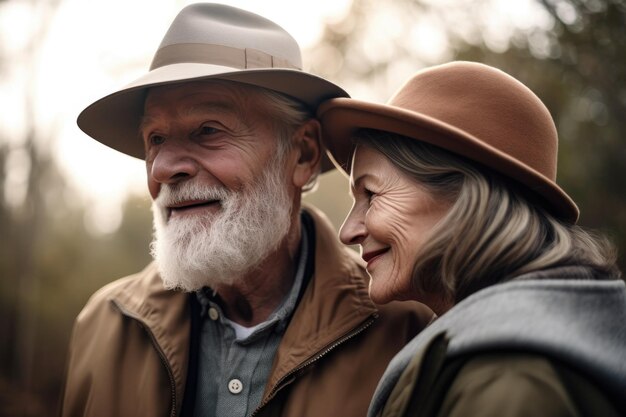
(191, 206)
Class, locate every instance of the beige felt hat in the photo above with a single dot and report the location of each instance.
(208, 41)
(471, 109)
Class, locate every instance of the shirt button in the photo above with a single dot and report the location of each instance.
(235, 386)
(213, 313)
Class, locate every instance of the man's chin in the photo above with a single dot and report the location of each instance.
(178, 277)
(193, 281)
(175, 284)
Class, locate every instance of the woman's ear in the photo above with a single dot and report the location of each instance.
(308, 145)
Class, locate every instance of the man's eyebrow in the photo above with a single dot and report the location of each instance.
(145, 120)
(220, 107)
(226, 108)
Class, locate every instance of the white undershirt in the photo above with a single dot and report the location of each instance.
(241, 332)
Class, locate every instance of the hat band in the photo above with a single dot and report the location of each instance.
(227, 56)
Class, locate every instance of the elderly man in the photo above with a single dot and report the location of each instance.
(251, 307)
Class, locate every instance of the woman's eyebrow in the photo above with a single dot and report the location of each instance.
(354, 184)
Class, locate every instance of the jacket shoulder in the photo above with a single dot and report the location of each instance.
(415, 314)
(138, 283)
(488, 384)
(113, 365)
(523, 384)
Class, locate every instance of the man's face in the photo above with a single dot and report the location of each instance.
(212, 132)
(222, 202)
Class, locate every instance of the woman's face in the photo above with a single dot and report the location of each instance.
(391, 219)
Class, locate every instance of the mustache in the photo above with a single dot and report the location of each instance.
(172, 194)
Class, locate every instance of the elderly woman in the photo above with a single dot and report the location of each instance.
(456, 206)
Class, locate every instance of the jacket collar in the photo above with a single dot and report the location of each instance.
(165, 315)
(335, 303)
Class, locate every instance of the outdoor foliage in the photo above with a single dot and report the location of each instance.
(50, 263)
(572, 58)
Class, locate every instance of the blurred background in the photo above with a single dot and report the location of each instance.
(74, 214)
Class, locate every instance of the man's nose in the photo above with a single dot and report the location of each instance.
(173, 163)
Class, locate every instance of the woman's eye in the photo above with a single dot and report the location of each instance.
(369, 194)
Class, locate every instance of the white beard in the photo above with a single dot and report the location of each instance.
(192, 252)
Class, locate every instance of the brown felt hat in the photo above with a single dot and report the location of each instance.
(470, 109)
(208, 41)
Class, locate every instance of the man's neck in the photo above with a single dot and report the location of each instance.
(259, 293)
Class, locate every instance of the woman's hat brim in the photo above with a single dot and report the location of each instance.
(341, 117)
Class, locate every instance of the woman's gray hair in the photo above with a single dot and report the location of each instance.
(493, 231)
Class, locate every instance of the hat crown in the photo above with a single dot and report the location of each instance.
(210, 33)
(205, 42)
(488, 104)
(469, 109)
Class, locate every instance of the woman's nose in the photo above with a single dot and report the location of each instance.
(353, 230)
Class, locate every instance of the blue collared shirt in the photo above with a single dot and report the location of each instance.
(235, 362)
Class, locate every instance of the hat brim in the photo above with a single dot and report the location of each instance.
(341, 117)
(114, 119)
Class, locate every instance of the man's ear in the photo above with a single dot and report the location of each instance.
(308, 146)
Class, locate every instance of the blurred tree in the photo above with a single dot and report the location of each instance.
(69, 265)
(581, 76)
(23, 219)
(570, 52)
(49, 262)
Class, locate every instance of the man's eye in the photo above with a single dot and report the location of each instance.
(369, 194)
(208, 130)
(157, 139)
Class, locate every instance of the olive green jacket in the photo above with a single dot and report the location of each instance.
(554, 346)
(129, 351)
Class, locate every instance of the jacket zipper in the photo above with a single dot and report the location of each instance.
(279, 385)
(157, 347)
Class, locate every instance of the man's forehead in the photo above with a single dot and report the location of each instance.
(218, 88)
(201, 96)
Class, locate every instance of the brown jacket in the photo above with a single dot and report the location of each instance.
(130, 346)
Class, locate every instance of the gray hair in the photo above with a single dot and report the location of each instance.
(494, 230)
(286, 116)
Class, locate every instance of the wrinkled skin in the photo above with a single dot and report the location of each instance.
(391, 219)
